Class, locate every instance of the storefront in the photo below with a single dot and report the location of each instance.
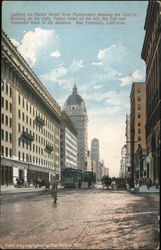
(6, 175)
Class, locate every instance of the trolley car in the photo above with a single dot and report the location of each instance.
(71, 177)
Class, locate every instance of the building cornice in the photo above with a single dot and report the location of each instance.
(152, 8)
(19, 65)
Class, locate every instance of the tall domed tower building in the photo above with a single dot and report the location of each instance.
(76, 110)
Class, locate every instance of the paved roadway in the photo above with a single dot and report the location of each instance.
(87, 219)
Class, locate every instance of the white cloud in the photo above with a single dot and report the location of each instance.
(134, 76)
(98, 86)
(55, 53)
(15, 42)
(97, 63)
(37, 42)
(112, 55)
(76, 65)
(54, 74)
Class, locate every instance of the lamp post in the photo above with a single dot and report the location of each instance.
(28, 174)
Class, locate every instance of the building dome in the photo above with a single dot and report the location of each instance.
(74, 98)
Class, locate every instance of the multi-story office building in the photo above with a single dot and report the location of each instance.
(68, 143)
(95, 155)
(128, 152)
(75, 108)
(30, 124)
(151, 53)
(122, 173)
(137, 126)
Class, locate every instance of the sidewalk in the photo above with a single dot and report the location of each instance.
(144, 189)
(12, 189)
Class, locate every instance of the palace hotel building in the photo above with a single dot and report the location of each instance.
(30, 122)
(151, 54)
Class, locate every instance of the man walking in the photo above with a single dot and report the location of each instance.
(54, 188)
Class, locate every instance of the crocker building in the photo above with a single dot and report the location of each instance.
(30, 122)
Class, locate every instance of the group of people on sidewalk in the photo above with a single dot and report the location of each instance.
(145, 181)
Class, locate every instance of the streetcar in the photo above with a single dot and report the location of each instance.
(71, 177)
(89, 177)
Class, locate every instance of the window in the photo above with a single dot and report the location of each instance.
(19, 99)
(23, 103)
(33, 147)
(19, 128)
(139, 115)
(139, 106)
(139, 98)
(23, 117)
(10, 122)
(10, 152)
(27, 106)
(23, 143)
(19, 114)
(10, 107)
(27, 119)
(23, 156)
(19, 155)
(2, 150)
(2, 134)
(6, 105)
(6, 136)
(3, 85)
(2, 102)
(2, 118)
(139, 124)
(30, 109)
(139, 138)
(30, 121)
(19, 142)
(10, 138)
(6, 152)
(10, 91)
(6, 120)
(6, 88)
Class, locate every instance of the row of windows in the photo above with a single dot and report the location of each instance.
(34, 112)
(8, 90)
(32, 147)
(30, 159)
(70, 147)
(34, 125)
(37, 137)
(6, 120)
(7, 136)
(7, 151)
(7, 105)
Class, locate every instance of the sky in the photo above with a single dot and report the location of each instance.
(102, 59)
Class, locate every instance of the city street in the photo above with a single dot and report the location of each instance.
(87, 219)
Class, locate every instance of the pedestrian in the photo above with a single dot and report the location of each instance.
(148, 182)
(54, 188)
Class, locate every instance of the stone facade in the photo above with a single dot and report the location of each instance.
(75, 108)
(137, 125)
(151, 54)
(68, 143)
(31, 122)
(95, 155)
